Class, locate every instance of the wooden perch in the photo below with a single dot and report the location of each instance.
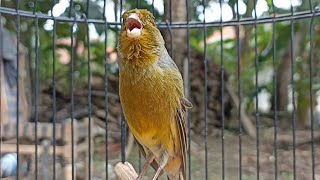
(125, 171)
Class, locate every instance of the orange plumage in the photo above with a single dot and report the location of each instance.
(151, 94)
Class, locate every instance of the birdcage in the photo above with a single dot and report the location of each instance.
(250, 68)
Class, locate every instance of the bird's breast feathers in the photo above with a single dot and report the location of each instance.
(152, 94)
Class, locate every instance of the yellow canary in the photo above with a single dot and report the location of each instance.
(152, 97)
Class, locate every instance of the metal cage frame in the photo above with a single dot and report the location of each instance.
(291, 17)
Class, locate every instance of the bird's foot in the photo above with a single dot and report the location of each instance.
(162, 164)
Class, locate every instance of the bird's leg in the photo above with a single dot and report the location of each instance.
(162, 164)
(149, 158)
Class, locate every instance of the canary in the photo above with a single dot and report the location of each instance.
(152, 96)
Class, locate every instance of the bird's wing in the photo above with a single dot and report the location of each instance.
(167, 64)
(182, 130)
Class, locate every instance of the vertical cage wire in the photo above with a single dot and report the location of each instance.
(188, 92)
(123, 138)
(106, 85)
(170, 11)
(36, 90)
(89, 96)
(311, 70)
(36, 100)
(17, 88)
(152, 5)
(123, 122)
(72, 89)
(169, 29)
(87, 15)
(72, 94)
(239, 92)
(275, 94)
(54, 107)
(170, 34)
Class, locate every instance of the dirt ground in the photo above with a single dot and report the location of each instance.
(231, 159)
(215, 160)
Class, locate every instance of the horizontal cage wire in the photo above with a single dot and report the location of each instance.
(251, 70)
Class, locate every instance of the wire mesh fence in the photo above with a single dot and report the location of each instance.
(251, 69)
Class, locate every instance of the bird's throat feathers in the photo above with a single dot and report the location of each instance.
(140, 51)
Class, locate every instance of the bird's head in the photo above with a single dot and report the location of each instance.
(139, 39)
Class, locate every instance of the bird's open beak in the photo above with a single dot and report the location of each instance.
(133, 25)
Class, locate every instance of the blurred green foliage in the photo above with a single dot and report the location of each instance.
(99, 57)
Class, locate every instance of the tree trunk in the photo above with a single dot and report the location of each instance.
(178, 14)
(283, 81)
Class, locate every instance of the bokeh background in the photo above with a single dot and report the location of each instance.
(254, 86)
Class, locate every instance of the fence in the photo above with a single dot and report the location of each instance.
(225, 71)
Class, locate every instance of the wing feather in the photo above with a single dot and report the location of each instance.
(182, 130)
